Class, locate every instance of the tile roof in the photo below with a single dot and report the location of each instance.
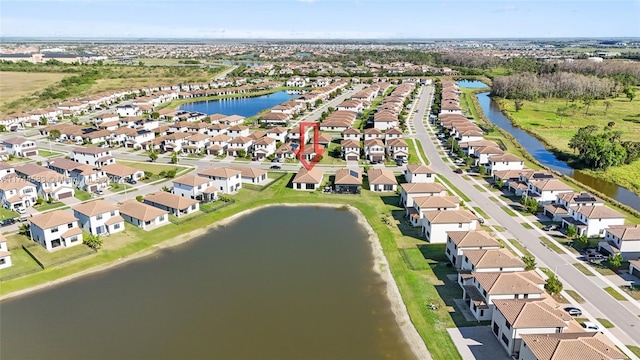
(437, 201)
(493, 258)
(625, 232)
(381, 177)
(140, 211)
(191, 180)
(418, 188)
(118, 170)
(249, 172)
(420, 169)
(572, 346)
(170, 200)
(52, 218)
(449, 216)
(478, 238)
(94, 207)
(532, 313)
(507, 283)
(223, 172)
(313, 176)
(348, 177)
(599, 212)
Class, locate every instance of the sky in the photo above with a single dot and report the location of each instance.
(319, 19)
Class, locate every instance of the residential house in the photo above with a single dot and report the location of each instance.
(55, 229)
(460, 241)
(239, 145)
(196, 143)
(264, 147)
(436, 223)
(118, 173)
(144, 216)
(176, 205)
(382, 180)
(237, 131)
(393, 133)
(350, 150)
(251, 175)
(93, 155)
(513, 318)
(560, 208)
(278, 133)
(414, 190)
(489, 260)
(97, 137)
(217, 129)
(195, 187)
(504, 162)
(16, 192)
(19, 146)
(89, 178)
(430, 203)
(574, 345)
(419, 174)
(275, 118)
(623, 240)
(49, 184)
(397, 149)
(308, 179)
(6, 170)
(348, 181)
(285, 151)
(5, 255)
(175, 142)
(373, 133)
(546, 191)
(592, 220)
(351, 134)
(482, 154)
(225, 179)
(128, 110)
(99, 217)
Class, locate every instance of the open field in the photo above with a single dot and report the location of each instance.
(539, 118)
(25, 90)
(18, 85)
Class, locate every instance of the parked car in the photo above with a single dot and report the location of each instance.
(550, 227)
(21, 210)
(459, 161)
(7, 222)
(99, 192)
(594, 257)
(458, 171)
(480, 220)
(589, 326)
(573, 311)
(132, 181)
(276, 167)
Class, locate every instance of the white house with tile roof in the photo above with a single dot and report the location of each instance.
(413, 190)
(195, 187)
(308, 179)
(623, 240)
(55, 229)
(144, 216)
(574, 345)
(99, 217)
(225, 179)
(175, 205)
(382, 180)
(460, 241)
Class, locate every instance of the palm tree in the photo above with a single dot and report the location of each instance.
(606, 103)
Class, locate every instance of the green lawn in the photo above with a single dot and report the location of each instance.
(611, 291)
(45, 206)
(421, 150)
(22, 263)
(634, 349)
(579, 299)
(634, 291)
(154, 168)
(539, 117)
(526, 226)
(550, 244)
(413, 155)
(520, 247)
(606, 323)
(5, 213)
(479, 188)
(583, 269)
(481, 212)
(508, 210)
(47, 153)
(443, 179)
(419, 288)
(82, 195)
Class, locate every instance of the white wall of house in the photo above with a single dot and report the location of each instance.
(629, 249)
(96, 224)
(418, 178)
(381, 187)
(5, 260)
(437, 233)
(505, 165)
(46, 237)
(513, 337)
(157, 221)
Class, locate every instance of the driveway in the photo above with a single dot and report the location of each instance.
(477, 342)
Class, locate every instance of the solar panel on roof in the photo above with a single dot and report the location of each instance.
(353, 173)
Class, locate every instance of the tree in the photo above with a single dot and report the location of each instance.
(571, 232)
(3, 128)
(530, 262)
(629, 93)
(518, 104)
(587, 101)
(93, 241)
(615, 260)
(581, 241)
(24, 229)
(174, 157)
(482, 170)
(553, 285)
(562, 112)
(139, 198)
(607, 104)
(498, 184)
(54, 134)
(153, 155)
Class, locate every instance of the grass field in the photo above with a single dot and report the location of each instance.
(539, 118)
(18, 85)
(614, 294)
(419, 269)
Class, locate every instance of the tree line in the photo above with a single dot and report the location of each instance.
(574, 86)
(599, 150)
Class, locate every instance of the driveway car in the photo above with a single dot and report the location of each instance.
(276, 167)
(21, 211)
(458, 171)
(550, 227)
(573, 311)
(589, 326)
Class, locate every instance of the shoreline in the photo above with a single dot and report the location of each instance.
(380, 266)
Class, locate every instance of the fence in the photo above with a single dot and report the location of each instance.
(206, 210)
(259, 188)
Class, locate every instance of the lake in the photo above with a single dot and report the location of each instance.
(279, 283)
(534, 147)
(246, 106)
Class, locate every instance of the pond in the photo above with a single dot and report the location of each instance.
(246, 106)
(279, 283)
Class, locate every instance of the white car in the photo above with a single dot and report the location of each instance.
(589, 326)
(21, 211)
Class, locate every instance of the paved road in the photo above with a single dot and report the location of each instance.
(599, 303)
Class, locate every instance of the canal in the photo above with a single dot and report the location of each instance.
(279, 283)
(246, 106)
(534, 147)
